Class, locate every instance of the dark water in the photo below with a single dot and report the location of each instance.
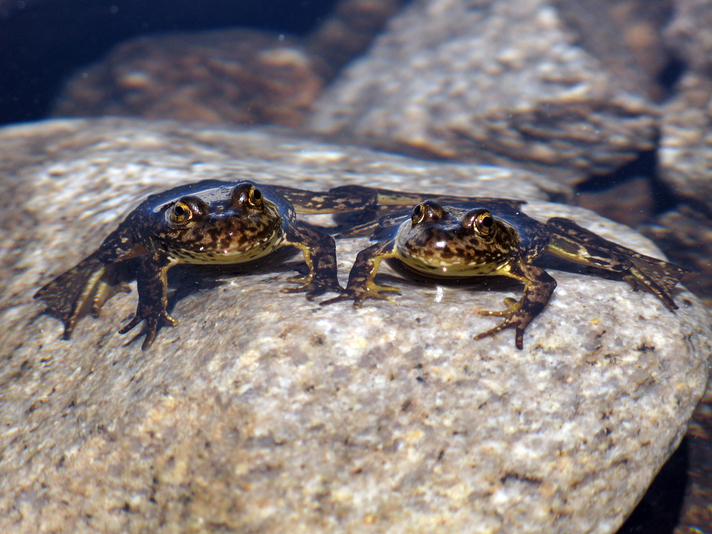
(42, 42)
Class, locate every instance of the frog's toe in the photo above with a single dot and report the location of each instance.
(359, 295)
(153, 322)
(299, 279)
(315, 288)
(346, 295)
(68, 328)
(132, 324)
(512, 307)
(376, 288)
(509, 323)
(374, 292)
(103, 293)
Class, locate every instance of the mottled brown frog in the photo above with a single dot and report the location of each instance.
(458, 238)
(208, 222)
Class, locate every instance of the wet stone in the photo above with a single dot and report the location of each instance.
(687, 234)
(626, 36)
(494, 81)
(231, 75)
(264, 412)
(685, 153)
(690, 33)
(237, 75)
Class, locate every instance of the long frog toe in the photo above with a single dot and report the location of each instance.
(374, 292)
(516, 321)
(345, 295)
(514, 318)
(299, 279)
(359, 295)
(68, 328)
(153, 322)
(513, 306)
(314, 288)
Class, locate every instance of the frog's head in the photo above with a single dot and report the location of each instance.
(218, 225)
(453, 241)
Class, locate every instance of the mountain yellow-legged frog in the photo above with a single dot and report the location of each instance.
(457, 238)
(208, 222)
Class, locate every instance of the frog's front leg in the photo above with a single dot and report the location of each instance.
(319, 250)
(152, 301)
(361, 285)
(538, 288)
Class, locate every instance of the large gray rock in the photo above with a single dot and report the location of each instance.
(492, 80)
(263, 412)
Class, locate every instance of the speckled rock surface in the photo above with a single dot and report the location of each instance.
(497, 81)
(263, 412)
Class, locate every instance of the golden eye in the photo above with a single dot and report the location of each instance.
(485, 223)
(181, 213)
(247, 197)
(255, 198)
(418, 214)
(428, 210)
(480, 221)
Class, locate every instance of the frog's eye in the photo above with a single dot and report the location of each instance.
(427, 211)
(247, 196)
(481, 221)
(254, 198)
(181, 212)
(185, 210)
(417, 216)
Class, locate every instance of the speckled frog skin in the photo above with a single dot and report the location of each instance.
(451, 237)
(208, 222)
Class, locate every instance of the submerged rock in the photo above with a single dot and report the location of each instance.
(227, 75)
(494, 81)
(690, 33)
(217, 76)
(264, 412)
(685, 153)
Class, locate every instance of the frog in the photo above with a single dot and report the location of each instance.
(450, 237)
(211, 222)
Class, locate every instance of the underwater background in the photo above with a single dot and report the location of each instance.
(47, 47)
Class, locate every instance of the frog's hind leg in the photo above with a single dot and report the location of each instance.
(74, 292)
(656, 277)
(90, 283)
(538, 288)
(574, 243)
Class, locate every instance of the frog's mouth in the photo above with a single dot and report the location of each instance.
(232, 252)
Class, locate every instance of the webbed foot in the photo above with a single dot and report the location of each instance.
(515, 318)
(154, 319)
(358, 295)
(313, 286)
(86, 286)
